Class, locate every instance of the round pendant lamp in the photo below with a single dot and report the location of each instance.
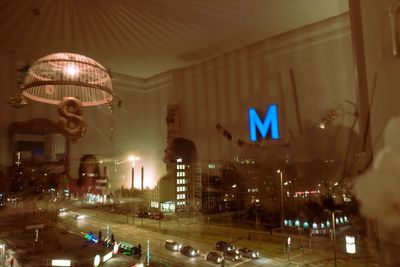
(52, 78)
(70, 81)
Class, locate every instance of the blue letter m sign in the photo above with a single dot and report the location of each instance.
(270, 122)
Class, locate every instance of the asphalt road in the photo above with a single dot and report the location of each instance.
(203, 236)
(135, 235)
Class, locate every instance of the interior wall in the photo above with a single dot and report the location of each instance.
(381, 64)
(9, 64)
(140, 130)
(317, 59)
(218, 90)
(96, 140)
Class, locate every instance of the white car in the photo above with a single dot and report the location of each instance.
(62, 209)
(79, 216)
(172, 245)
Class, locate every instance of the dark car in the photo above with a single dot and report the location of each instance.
(189, 251)
(248, 253)
(142, 214)
(222, 246)
(232, 255)
(214, 257)
(156, 215)
(172, 245)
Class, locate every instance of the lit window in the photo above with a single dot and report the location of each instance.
(181, 181)
(181, 189)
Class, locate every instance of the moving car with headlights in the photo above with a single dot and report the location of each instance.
(248, 253)
(222, 246)
(172, 245)
(214, 257)
(231, 255)
(79, 216)
(189, 251)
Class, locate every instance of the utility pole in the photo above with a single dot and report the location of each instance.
(334, 235)
(282, 214)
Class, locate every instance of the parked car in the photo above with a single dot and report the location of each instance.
(142, 214)
(172, 245)
(156, 215)
(248, 253)
(214, 257)
(222, 246)
(189, 251)
(231, 255)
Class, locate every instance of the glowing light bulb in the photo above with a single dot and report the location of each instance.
(71, 70)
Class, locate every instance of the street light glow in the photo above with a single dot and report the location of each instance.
(133, 159)
(61, 263)
(350, 244)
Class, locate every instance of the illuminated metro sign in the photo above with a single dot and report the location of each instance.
(269, 124)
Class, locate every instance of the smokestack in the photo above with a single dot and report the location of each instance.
(133, 177)
(142, 176)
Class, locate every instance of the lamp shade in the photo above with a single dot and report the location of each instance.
(52, 78)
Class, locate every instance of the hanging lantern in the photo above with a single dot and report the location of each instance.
(70, 81)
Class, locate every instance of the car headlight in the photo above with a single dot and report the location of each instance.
(254, 255)
(258, 254)
(175, 247)
(219, 259)
(193, 253)
(236, 257)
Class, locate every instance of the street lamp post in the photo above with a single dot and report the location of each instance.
(282, 214)
(3, 254)
(334, 235)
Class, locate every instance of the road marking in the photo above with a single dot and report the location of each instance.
(240, 263)
(293, 257)
(297, 263)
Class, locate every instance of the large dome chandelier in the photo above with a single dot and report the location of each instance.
(70, 81)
